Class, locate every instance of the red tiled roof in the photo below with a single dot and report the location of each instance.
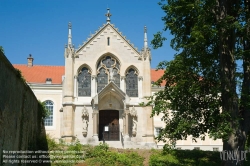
(39, 73)
(155, 75)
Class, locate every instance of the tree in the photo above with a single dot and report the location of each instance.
(1, 49)
(211, 37)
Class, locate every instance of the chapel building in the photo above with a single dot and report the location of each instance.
(96, 96)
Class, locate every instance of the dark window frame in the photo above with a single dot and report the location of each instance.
(84, 82)
(132, 83)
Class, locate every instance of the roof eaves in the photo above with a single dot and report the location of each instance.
(42, 84)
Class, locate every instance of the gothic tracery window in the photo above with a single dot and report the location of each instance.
(108, 68)
(84, 82)
(132, 83)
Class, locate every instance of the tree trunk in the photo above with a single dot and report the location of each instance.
(228, 82)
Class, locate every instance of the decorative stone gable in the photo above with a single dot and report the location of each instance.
(108, 33)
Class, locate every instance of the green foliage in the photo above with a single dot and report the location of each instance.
(1, 49)
(175, 157)
(98, 155)
(44, 111)
(158, 40)
(193, 98)
(75, 146)
(167, 149)
(52, 145)
(97, 150)
(201, 81)
(101, 155)
(185, 158)
(102, 147)
(71, 154)
(19, 75)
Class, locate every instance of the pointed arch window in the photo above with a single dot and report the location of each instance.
(84, 82)
(102, 79)
(49, 105)
(132, 83)
(105, 68)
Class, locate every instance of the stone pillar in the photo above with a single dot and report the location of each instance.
(95, 124)
(93, 86)
(150, 141)
(126, 131)
(68, 127)
(122, 83)
(68, 92)
(124, 123)
(140, 79)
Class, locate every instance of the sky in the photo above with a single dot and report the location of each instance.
(40, 27)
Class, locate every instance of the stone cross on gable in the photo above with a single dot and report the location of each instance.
(108, 16)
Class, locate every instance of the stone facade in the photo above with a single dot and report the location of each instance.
(108, 59)
(98, 100)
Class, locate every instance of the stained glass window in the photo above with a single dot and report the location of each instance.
(49, 106)
(84, 82)
(116, 77)
(108, 62)
(132, 83)
(102, 79)
(104, 68)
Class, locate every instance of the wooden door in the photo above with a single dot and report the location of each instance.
(109, 118)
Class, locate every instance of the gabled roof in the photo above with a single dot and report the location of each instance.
(38, 73)
(101, 29)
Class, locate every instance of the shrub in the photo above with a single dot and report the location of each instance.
(101, 155)
(52, 145)
(43, 110)
(67, 155)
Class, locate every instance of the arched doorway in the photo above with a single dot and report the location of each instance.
(109, 118)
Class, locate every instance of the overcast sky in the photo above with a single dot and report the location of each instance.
(40, 27)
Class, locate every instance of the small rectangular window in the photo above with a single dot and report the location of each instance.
(108, 41)
(179, 148)
(196, 148)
